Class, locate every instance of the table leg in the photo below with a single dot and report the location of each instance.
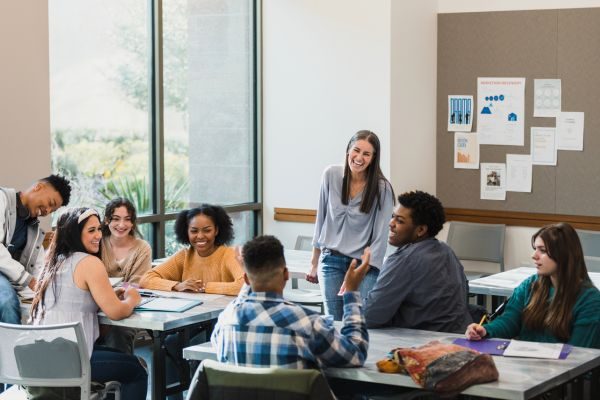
(158, 365)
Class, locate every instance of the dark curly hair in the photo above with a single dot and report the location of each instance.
(263, 254)
(425, 209)
(216, 213)
(110, 210)
(61, 185)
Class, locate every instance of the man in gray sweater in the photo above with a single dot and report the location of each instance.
(421, 285)
(21, 252)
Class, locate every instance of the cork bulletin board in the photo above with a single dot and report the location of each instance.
(546, 44)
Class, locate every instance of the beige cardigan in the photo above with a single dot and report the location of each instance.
(135, 265)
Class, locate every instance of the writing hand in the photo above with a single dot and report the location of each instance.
(475, 332)
(119, 291)
(132, 294)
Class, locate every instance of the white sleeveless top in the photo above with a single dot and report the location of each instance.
(71, 303)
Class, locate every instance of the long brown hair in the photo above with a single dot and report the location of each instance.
(65, 242)
(563, 246)
(374, 174)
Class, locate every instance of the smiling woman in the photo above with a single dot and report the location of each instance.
(355, 203)
(208, 264)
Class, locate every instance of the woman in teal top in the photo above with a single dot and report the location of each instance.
(559, 304)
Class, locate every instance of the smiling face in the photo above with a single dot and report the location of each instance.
(91, 235)
(545, 265)
(360, 156)
(202, 233)
(402, 228)
(120, 224)
(41, 199)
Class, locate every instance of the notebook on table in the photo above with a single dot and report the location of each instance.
(502, 347)
(166, 304)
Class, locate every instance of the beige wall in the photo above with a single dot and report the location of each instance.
(24, 92)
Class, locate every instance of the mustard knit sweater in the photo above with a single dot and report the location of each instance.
(221, 272)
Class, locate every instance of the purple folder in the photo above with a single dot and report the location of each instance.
(496, 347)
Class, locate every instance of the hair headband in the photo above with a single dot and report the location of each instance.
(86, 214)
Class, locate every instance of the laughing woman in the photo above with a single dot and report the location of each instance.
(355, 205)
(74, 285)
(124, 253)
(208, 264)
(558, 304)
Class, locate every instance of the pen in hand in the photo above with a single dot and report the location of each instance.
(483, 319)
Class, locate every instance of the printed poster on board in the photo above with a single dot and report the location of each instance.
(460, 113)
(501, 111)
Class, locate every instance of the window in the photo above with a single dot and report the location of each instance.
(156, 101)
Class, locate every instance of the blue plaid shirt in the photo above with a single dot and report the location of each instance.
(264, 330)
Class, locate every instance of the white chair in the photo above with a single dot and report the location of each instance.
(47, 356)
(477, 242)
(307, 297)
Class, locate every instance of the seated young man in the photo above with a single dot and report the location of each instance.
(262, 329)
(422, 285)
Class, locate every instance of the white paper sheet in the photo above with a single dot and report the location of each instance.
(520, 348)
(518, 173)
(547, 95)
(466, 150)
(543, 146)
(569, 131)
(493, 181)
(501, 111)
(460, 113)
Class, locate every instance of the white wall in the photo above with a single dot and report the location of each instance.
(455, 6)
(24, 93)
(326, 75)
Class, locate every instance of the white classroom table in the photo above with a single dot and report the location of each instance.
(519, 378)
(504, 283)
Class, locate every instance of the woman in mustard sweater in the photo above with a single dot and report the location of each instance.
(559, 304)
(208, 264)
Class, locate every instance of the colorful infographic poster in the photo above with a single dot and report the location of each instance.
(501, 111)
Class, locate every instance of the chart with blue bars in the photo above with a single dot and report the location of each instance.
(461, 111)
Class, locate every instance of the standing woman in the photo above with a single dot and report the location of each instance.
(74, 285)
(559, 304)
(355, 205)
(124, 253)
(208, 264)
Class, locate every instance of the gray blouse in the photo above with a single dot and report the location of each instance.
(343, 227)
(71, 303)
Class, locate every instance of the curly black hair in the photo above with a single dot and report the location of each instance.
(61, 185)
(263, 253)
(425, 209)
(216, 213)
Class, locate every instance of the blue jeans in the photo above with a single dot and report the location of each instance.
(332, 270)
(10, 310)
(116, 366)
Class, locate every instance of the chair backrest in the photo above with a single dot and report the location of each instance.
(214, 380)
(303, 243)
(477, 242)
(592, 263)
(590, 242)
(45, 355)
